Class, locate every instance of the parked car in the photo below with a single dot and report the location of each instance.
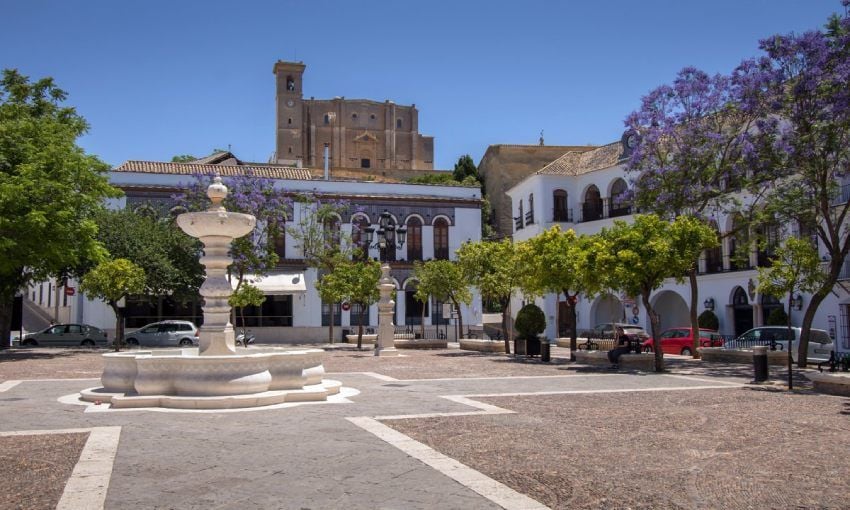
(606, 330)
(681, 341)
(164, 334)
(820, 344)
(66, 335)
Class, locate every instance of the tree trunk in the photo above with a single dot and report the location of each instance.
(692, 276)
(7, 307)
(459, 316)
(331, 325)
(421, 322)
(653, 323)
(790, 341)
(571, 309)
(506, 311)
(360, 329)
(119, 325)
(805, 328)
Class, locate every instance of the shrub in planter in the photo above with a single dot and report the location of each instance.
(708, 320)
(530, 322)
(777, 317)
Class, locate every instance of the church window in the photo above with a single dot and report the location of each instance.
(365, 163)
(290, 83)
(398, 123)
(353, 116)
(372, 116)
(290, 150)
(289, 121)
(327, 119)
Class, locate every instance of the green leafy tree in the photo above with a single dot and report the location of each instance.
(183, 158)
(444, 280)
(464, 168)
(323, 245)
(795, 267)
(650, 250)
(354, 281)
(246, 295)
(49, 189)
(169, 257)
(708, 320)
(559, 262)
(496, 270)
(113, 281)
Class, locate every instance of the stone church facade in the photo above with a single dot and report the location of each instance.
(360, 133)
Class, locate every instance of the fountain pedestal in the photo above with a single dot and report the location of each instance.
(385, 343)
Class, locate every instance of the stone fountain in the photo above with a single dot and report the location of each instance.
(213, 376)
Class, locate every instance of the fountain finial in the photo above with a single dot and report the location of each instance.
(217, 192)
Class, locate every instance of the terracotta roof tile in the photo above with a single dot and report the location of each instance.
(577, 163)
(158, 167)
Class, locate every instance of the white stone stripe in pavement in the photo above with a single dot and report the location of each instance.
(90, 480)
(702, 380)
(616, 390)
(496, 492)
(380, 377)
(8, 385)
(87, 486)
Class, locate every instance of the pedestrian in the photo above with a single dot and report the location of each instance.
(622, 347)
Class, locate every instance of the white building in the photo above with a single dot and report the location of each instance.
(586, 191)
(438, 220)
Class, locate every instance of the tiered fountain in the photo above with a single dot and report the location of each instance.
(213, 376)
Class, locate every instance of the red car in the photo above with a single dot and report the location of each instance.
(681, 341)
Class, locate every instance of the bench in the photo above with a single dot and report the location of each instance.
(836, 362)
(643, 361)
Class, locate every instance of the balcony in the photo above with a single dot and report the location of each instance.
(529, 218)
(518, 223)
(562, 215)
(591, 211)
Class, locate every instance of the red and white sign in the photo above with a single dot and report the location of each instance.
(70, 291)
(346, 305)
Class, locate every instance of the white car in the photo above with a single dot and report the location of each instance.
(820, 345)
(164, 334)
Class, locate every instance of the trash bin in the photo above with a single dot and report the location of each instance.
(760, 363)
(544, 350)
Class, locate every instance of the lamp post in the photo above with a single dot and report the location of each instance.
(388, 237)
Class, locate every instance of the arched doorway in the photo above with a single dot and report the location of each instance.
(743, 311)
(671, 309)
(607, 308)
(413, 308)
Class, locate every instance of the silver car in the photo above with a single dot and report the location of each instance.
(820, 344)
(66, 335)
(164, 334)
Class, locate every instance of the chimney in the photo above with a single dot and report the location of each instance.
(327, 174)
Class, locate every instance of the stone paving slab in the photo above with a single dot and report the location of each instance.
(313, 456)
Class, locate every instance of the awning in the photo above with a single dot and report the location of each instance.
(276, 284)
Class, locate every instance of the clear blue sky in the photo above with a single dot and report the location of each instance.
(159, 78)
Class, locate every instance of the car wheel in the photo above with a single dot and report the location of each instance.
(132, 342)
(87, 343)
(686, 351)
(29, 343)
(185, 342)
(647, 349)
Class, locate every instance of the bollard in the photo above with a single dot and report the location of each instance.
(544, 350)
(760, 363)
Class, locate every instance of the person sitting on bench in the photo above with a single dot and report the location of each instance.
(623, 347)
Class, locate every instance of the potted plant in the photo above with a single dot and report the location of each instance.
(530, 323)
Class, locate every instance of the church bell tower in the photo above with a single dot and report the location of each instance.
(289, 143)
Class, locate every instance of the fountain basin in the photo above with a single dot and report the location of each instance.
(181, 378)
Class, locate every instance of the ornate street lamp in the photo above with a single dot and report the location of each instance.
(389, 236)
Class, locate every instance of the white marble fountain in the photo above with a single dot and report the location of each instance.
(213, 376)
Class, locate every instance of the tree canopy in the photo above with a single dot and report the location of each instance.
(444, 280)
(49, 188)
(113, 281)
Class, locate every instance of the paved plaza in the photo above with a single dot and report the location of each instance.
(432, 429)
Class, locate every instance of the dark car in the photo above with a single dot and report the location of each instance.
(66, 335)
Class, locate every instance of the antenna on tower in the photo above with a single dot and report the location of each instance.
(541, 137)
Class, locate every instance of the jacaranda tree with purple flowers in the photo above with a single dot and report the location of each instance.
(691, 138)
(805, 139)
(251, 194)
